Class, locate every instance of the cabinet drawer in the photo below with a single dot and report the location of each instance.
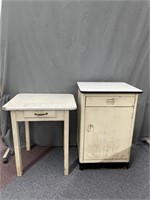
(110, 101)
(39, 113)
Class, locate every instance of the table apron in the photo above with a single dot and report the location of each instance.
(20, 116)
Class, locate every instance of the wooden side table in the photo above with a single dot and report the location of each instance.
(39, 107)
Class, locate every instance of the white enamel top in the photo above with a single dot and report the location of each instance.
(41, 102)
(107, 87)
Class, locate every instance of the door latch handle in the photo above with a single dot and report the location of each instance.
(90, 128)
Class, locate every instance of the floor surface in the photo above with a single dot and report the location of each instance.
(45, 179)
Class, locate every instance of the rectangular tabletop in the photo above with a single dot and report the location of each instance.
(29, 101)
(107, 87)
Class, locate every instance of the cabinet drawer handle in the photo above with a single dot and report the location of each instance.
(40, 114)
(110, 101)
(90, 128)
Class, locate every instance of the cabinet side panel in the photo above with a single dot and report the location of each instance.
(80, 133)
(133, 122)
(78, 120)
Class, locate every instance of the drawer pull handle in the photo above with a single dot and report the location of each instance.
(110, 101)
(90, 128)
(40, 114)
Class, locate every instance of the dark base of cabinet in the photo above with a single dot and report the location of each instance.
(83, 166)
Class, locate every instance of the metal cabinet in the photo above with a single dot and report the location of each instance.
(106, 116)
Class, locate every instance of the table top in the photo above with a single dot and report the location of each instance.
(107, 87)
(30, 101)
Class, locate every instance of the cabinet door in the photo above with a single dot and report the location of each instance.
(107, 133)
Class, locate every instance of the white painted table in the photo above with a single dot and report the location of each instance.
(106, 116)
(39, 107)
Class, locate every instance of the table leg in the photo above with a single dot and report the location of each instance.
(16, 139)
(66, 143)
(27, 133)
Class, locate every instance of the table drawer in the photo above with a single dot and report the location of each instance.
(39, 113)
(110, 101)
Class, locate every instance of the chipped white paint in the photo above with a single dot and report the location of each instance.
(105, 128)
(110, 133)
